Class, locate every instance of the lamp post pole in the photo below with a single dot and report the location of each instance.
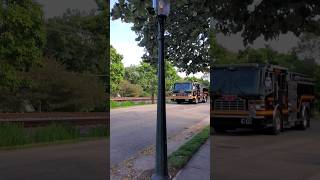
(161, 169)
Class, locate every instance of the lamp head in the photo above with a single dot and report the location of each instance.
(161, 7)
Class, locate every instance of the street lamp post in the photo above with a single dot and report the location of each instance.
(162, 8)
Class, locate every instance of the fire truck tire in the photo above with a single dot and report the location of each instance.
(178, 102)
(309, 123)
(277, 123)
(305, 123)
(204, 100)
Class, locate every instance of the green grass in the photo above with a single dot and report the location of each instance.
(316, 115)
(12, 135)
(114, 104)
(180, 157)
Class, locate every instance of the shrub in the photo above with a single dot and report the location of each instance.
(130, 90)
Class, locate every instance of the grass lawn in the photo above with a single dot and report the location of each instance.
(180, 157)
(114, 104)
(316, 115)
(15, 135)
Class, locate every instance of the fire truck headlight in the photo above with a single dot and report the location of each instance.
(173, 95)
(259, 106)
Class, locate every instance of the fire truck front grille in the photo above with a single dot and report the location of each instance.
(182, 94)
(235, 105)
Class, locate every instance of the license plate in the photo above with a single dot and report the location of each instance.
(246, 121)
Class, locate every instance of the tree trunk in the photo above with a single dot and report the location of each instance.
(40, 106)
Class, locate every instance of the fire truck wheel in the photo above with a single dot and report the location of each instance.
(178, 102)
(277, 123)
(204, 100)
(305, 120)
(196, 101)
(309, 123)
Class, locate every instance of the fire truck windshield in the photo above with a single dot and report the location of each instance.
(241, 81)
(182, 87)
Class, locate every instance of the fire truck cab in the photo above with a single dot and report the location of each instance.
(259, 96)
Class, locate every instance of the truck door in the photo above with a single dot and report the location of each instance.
(292, 99)
(280, 89)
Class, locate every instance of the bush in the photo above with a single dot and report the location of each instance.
(130, 90)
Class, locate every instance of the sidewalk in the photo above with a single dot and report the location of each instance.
(199, 165)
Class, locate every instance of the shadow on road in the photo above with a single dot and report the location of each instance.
(250, 132)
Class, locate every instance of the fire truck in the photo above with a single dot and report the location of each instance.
(260, 96)
(191, 92)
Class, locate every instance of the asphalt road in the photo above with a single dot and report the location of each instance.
(247, 155)
(78, 161)
(133, 129)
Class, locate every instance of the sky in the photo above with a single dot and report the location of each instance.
(123, 40)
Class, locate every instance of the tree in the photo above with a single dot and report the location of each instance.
(116, 70)
(22, 37)
(56, 89)
(171, 76)
(131, 74)
(308, 47)
(186, 39)
(80, 41)
(148, 78)
(189, 21)
(145, 75)
(202, 81)
(267, 55)
(76, 41)
(308, 50)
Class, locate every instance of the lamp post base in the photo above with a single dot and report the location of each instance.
(159, 177)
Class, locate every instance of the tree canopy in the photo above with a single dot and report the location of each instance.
(22, 37)
(53, 64)
(144, 75)
(116, 70)
(76, 40)
(188, 24)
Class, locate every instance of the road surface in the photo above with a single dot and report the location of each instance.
(133, 129)
(292, 155)
(78, 161)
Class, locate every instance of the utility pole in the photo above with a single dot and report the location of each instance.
(162, 8)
